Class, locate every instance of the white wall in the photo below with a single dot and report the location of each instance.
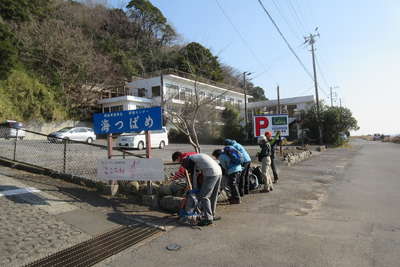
(144, 83)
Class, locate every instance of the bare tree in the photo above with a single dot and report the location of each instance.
(185, 117)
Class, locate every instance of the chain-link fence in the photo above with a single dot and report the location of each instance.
(55, 154)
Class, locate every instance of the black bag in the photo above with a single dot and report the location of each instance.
(257, 172)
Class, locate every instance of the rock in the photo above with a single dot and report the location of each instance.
(150, 201)
(165, 190)
(170, 203)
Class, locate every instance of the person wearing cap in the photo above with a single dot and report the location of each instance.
(244, 185)
(233, 171)
(179, 157)
(206, 167)
(264, 157)
(273, 142)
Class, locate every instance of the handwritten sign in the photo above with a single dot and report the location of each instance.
(130, 169)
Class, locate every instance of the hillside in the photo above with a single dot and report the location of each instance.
(57, 55)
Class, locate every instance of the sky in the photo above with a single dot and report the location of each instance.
(357, 51)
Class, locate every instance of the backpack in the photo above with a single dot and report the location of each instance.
(189, 212)
(234, 155)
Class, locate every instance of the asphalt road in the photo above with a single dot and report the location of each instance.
(336, 209)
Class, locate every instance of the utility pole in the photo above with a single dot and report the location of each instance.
(279, 100)
(333, 94)
(311, 41)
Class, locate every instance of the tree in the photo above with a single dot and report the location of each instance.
(232, 127)
(257, 93)
(334, 120)
(8, 52)
(196, 59)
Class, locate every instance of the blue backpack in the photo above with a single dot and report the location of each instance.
(234, 155)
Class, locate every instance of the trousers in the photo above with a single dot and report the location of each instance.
(266, 172)
(274, 169)
(208, 196)
(233, 180)
(244, 179)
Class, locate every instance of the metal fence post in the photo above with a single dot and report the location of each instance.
(65, 156)
(15, 146)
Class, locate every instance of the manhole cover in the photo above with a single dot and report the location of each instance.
(173, 247)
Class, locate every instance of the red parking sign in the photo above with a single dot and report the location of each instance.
(260, 123)
(271, 123)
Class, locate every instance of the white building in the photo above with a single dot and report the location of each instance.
(171, 86)
(293, 106)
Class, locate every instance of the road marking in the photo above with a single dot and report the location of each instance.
(340, 166)
(18, 191)
(45, 201)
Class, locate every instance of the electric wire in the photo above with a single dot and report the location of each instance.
(240, 35)
(295, 34)
(286, 41)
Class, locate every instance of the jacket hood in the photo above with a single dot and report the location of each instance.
(229, 142)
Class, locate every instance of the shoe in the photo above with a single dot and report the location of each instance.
(264, 191)
(217, 218)
(276, 181)
(246, 192)
(234, 201)
(205, 223)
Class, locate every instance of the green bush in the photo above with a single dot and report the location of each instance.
(25, 98)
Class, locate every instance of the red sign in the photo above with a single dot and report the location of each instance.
(260, 123)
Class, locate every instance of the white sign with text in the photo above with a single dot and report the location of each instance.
(130, 169)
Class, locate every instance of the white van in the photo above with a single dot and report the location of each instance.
(132, 140)
(12, 129)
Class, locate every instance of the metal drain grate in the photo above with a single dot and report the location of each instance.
(98, 248)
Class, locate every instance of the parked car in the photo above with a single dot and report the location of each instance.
(377, 137)
(12, 129)
(130, 140)
(83, 134)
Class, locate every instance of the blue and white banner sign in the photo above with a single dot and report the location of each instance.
(128, 121)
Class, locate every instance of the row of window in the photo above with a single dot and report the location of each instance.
(185, 93)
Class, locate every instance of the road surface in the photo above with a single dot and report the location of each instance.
(338, 209)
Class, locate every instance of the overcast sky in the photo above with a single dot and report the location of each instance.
(358, 48)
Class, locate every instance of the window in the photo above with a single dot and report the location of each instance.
(117, 108)
(156, 91)
(106, 109)
(173, 91)
(139, 107)
(81, 130)
(142, 92)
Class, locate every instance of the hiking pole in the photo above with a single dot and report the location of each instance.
(189, 184)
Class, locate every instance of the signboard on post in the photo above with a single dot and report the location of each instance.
(271, 123)
(130, 169)
(145, 119)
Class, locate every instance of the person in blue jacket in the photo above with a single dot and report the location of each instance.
(244, 185)
(233, 171)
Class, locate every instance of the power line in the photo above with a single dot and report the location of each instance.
(296, 15)
(286, 41)
(295, 34)
(240, 35)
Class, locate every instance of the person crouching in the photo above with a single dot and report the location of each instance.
(204, 165)
(233, 171)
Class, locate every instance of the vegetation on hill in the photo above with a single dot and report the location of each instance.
(57, 55)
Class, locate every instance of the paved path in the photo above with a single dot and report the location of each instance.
(339, 209)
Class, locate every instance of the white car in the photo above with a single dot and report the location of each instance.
(83, 134)
(12, 129)
(130, 140)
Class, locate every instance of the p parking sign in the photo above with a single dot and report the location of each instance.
(271, 123)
